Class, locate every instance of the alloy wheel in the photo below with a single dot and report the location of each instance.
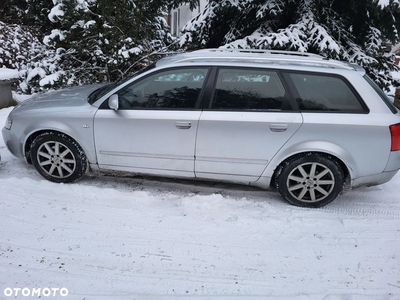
(56, 159)
(310, 182)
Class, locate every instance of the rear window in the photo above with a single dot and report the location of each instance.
(317, 92)
(381, 94)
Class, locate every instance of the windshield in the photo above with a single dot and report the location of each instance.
(97, 94)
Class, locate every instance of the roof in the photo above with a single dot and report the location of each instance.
(259, 57)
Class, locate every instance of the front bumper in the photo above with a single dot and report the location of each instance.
(12, 143)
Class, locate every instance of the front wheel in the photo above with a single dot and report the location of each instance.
(58, 158)
(311, 181)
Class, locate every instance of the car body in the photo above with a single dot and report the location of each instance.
(297, 122)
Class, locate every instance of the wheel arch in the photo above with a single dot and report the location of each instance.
(57, 156)
(346, 170)
(33, 135)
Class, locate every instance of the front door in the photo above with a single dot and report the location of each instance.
(154, 129)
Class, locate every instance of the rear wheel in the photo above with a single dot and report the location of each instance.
(312, 180)
(58, 158)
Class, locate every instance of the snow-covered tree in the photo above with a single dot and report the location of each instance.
(351, 30)
(84, 41)
(102, 40)
(390, 20)
(21, 49)
(32, 13)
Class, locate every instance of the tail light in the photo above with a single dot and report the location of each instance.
(395, 134)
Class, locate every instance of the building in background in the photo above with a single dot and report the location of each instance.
(396, 50)
(178, 17)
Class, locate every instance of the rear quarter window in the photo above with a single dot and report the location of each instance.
(381, 94)
(320, 92)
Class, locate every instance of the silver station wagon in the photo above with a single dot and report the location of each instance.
(308, 127)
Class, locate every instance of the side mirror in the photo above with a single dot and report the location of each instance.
(113, 102)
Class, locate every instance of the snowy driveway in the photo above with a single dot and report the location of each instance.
(129, 238)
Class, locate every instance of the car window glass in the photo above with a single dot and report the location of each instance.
(325, 93)
(96, 95)
(381, 94)
(248, 89)
(171, 89)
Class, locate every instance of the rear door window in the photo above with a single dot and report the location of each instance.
(248, 89)
(320, 92)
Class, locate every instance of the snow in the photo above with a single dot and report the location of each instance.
(36, 72)
(50, 79)
(135, 238)
(396, 75)
(127, 53)
(386, 2)
(19, 98)
(56, 12)
(89, 23)
(55, 33)
(7, 74)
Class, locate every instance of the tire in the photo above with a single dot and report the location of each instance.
(312, 180)
(58, 158)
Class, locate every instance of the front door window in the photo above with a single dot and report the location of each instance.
(171, 89)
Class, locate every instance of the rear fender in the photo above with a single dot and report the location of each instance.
(311, 146)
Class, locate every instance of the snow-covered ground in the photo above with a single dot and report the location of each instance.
(133, 238)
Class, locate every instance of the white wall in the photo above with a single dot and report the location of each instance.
(180, 16)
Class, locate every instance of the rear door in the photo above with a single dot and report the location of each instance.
(249, 119)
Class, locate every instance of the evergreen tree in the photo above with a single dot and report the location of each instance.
(21, 49)
(30, 13)
(12, 11)
(389, 20)
(85, 41)
(100, 40)
(351, 30)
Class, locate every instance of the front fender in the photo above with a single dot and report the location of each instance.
(81, 132)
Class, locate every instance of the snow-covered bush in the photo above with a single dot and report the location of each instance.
(21, 49)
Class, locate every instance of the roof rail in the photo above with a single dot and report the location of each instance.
(263, 51)
(278, 60)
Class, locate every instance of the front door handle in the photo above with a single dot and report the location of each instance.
(183, 125)
(281, 127)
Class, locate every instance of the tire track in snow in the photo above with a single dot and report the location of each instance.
(366, 207)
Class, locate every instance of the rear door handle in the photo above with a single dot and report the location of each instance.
(281, 127)
(183, 125)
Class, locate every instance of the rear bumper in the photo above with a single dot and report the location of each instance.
(393, 162)
(375, 179)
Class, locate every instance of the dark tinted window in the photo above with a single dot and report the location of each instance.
(325, 93)
(381, 94)
(247, 89)
(96, 95)
(172, 89)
